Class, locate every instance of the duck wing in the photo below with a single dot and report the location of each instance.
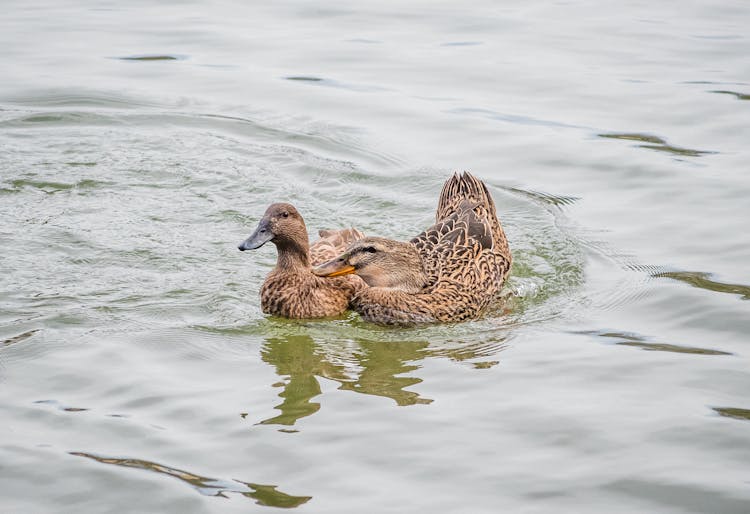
(455, 245)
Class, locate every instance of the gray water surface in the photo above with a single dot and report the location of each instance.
(140, 142)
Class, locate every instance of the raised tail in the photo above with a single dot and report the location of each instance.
(461, 187)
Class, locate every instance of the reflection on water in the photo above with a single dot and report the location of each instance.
(703, 281)
(738, 96)
(657, 143)
(319, 81)
(299, 361)
(511, 118)
(19, 338)
(661, 347)
(303, 79)
(628, 339)
(376, 366)
(60, 406)
(149, 58)
(367, 366)
(382, 363)
(733, 412)
(266, 495)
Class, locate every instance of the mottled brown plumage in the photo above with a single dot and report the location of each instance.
(450, 272)
(291, 290)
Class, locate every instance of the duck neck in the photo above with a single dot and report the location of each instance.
(404, 273)
(411, 277)
(293, 255)
(412, 281)
(408, 279)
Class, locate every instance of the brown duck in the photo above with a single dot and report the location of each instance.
(291, 290)
(450, 272)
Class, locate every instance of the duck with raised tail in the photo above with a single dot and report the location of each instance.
(450, 272)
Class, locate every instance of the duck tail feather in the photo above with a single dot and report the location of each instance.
(460, 187)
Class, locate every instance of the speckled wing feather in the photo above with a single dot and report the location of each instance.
(332, 243)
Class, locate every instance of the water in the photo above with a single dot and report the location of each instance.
(139, 143)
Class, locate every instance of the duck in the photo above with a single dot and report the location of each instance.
(291, 290)
(450, 272)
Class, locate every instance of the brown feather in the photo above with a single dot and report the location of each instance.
(465, 256)
(291, 290)
(332, 243)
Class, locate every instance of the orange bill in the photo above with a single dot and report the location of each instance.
(333, 269)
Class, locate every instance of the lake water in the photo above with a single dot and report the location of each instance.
(140, 142)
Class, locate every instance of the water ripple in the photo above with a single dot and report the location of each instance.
(657, 143)
(512, 118)
(703, 280)
(319, 81)
(553, 199)
(155, 57)
(738, 96)
(266, 495)
(20, 337)
(637, 341)
(733, 412)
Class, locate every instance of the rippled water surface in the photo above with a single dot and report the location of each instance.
(140, 142)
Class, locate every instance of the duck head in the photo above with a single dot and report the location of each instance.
(282, 225)
(380, 262)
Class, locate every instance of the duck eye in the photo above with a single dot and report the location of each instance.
(285, 214)
(369, 249)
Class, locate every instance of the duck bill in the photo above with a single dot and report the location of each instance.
(261, 236)
(334, 268)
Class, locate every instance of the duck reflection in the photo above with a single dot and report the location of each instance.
(378, 368)
(297, 358)
(381, 364)
(263, 494)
